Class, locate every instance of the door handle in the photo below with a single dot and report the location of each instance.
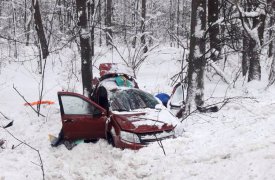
(68, 120)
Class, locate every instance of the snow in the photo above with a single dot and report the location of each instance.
(199, 32)
(120, 68)
(238, 142)
(154, 117)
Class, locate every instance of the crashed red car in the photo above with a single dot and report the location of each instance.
(118, 111)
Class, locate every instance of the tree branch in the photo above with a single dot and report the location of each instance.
(22, 142)
(27, 101)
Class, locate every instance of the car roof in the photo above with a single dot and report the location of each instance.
(114, 68)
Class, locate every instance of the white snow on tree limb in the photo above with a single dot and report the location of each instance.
(252, 32)
(219, 71)
(85, 34)
(199, 32)
(80, 13)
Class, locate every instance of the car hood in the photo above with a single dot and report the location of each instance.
(145, 120)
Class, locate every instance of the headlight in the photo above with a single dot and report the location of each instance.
(130, 137)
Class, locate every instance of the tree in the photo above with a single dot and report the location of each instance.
(134, 21)
(39, 29)
(271, 11)
(214, 30)
(84, 36)
(251, 23)
(91, 20)
(271, 79)
(197, 60)
(142, 27)
(171, 22)
(108, 21)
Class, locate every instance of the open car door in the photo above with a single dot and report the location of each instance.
(176, 103)
(81, 117)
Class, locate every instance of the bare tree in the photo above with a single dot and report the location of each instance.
(135, 7)
(271, 3)
(142, 27)
(252, 24)
(84, 35)
(108, 21)
(196, 64)
(271, 11)
(214, 30)
(39, 29)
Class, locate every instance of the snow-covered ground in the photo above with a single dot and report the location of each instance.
(238, 142)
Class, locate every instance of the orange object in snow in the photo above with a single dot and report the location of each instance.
(38, 102)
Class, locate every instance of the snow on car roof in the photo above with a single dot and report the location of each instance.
(110, 84)
(115, 68)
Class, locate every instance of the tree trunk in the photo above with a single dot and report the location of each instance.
(25, 19)
(178, 22)
(261, 28)
(124, 23)
(85, 47)
(93, 32)
(272, 73)
(245, 57)
(254, 47)
(172, 22)
(271, 3)
(142, 27)
(271, 45)
(39, 29)
(214, 30)
(14, 28)
(254, 62)
(99, 22)
(196, 65)
(134, 21)
(28, 24)
(91, 12)
(271, 11)
(108, 20)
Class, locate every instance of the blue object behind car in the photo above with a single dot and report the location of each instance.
(164, 98)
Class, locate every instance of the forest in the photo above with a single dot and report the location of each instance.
(222, 52)
(210, 32)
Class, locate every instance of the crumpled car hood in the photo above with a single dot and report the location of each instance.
(145, 120)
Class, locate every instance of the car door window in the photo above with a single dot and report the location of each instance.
(78, 106)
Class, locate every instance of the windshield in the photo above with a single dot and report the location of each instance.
(131, 99)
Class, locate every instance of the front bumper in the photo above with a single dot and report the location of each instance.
(145, 139)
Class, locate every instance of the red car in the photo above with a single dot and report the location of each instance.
(119, 112)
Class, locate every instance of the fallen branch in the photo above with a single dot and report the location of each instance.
(214, 105)
(42, 88)
(22, 142)
(219, 71)
(160, 144)
(10, 123)
(227, 100)
(27, 102)
(2, 142)
(5, 116)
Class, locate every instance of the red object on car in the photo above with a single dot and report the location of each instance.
(119, 112)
